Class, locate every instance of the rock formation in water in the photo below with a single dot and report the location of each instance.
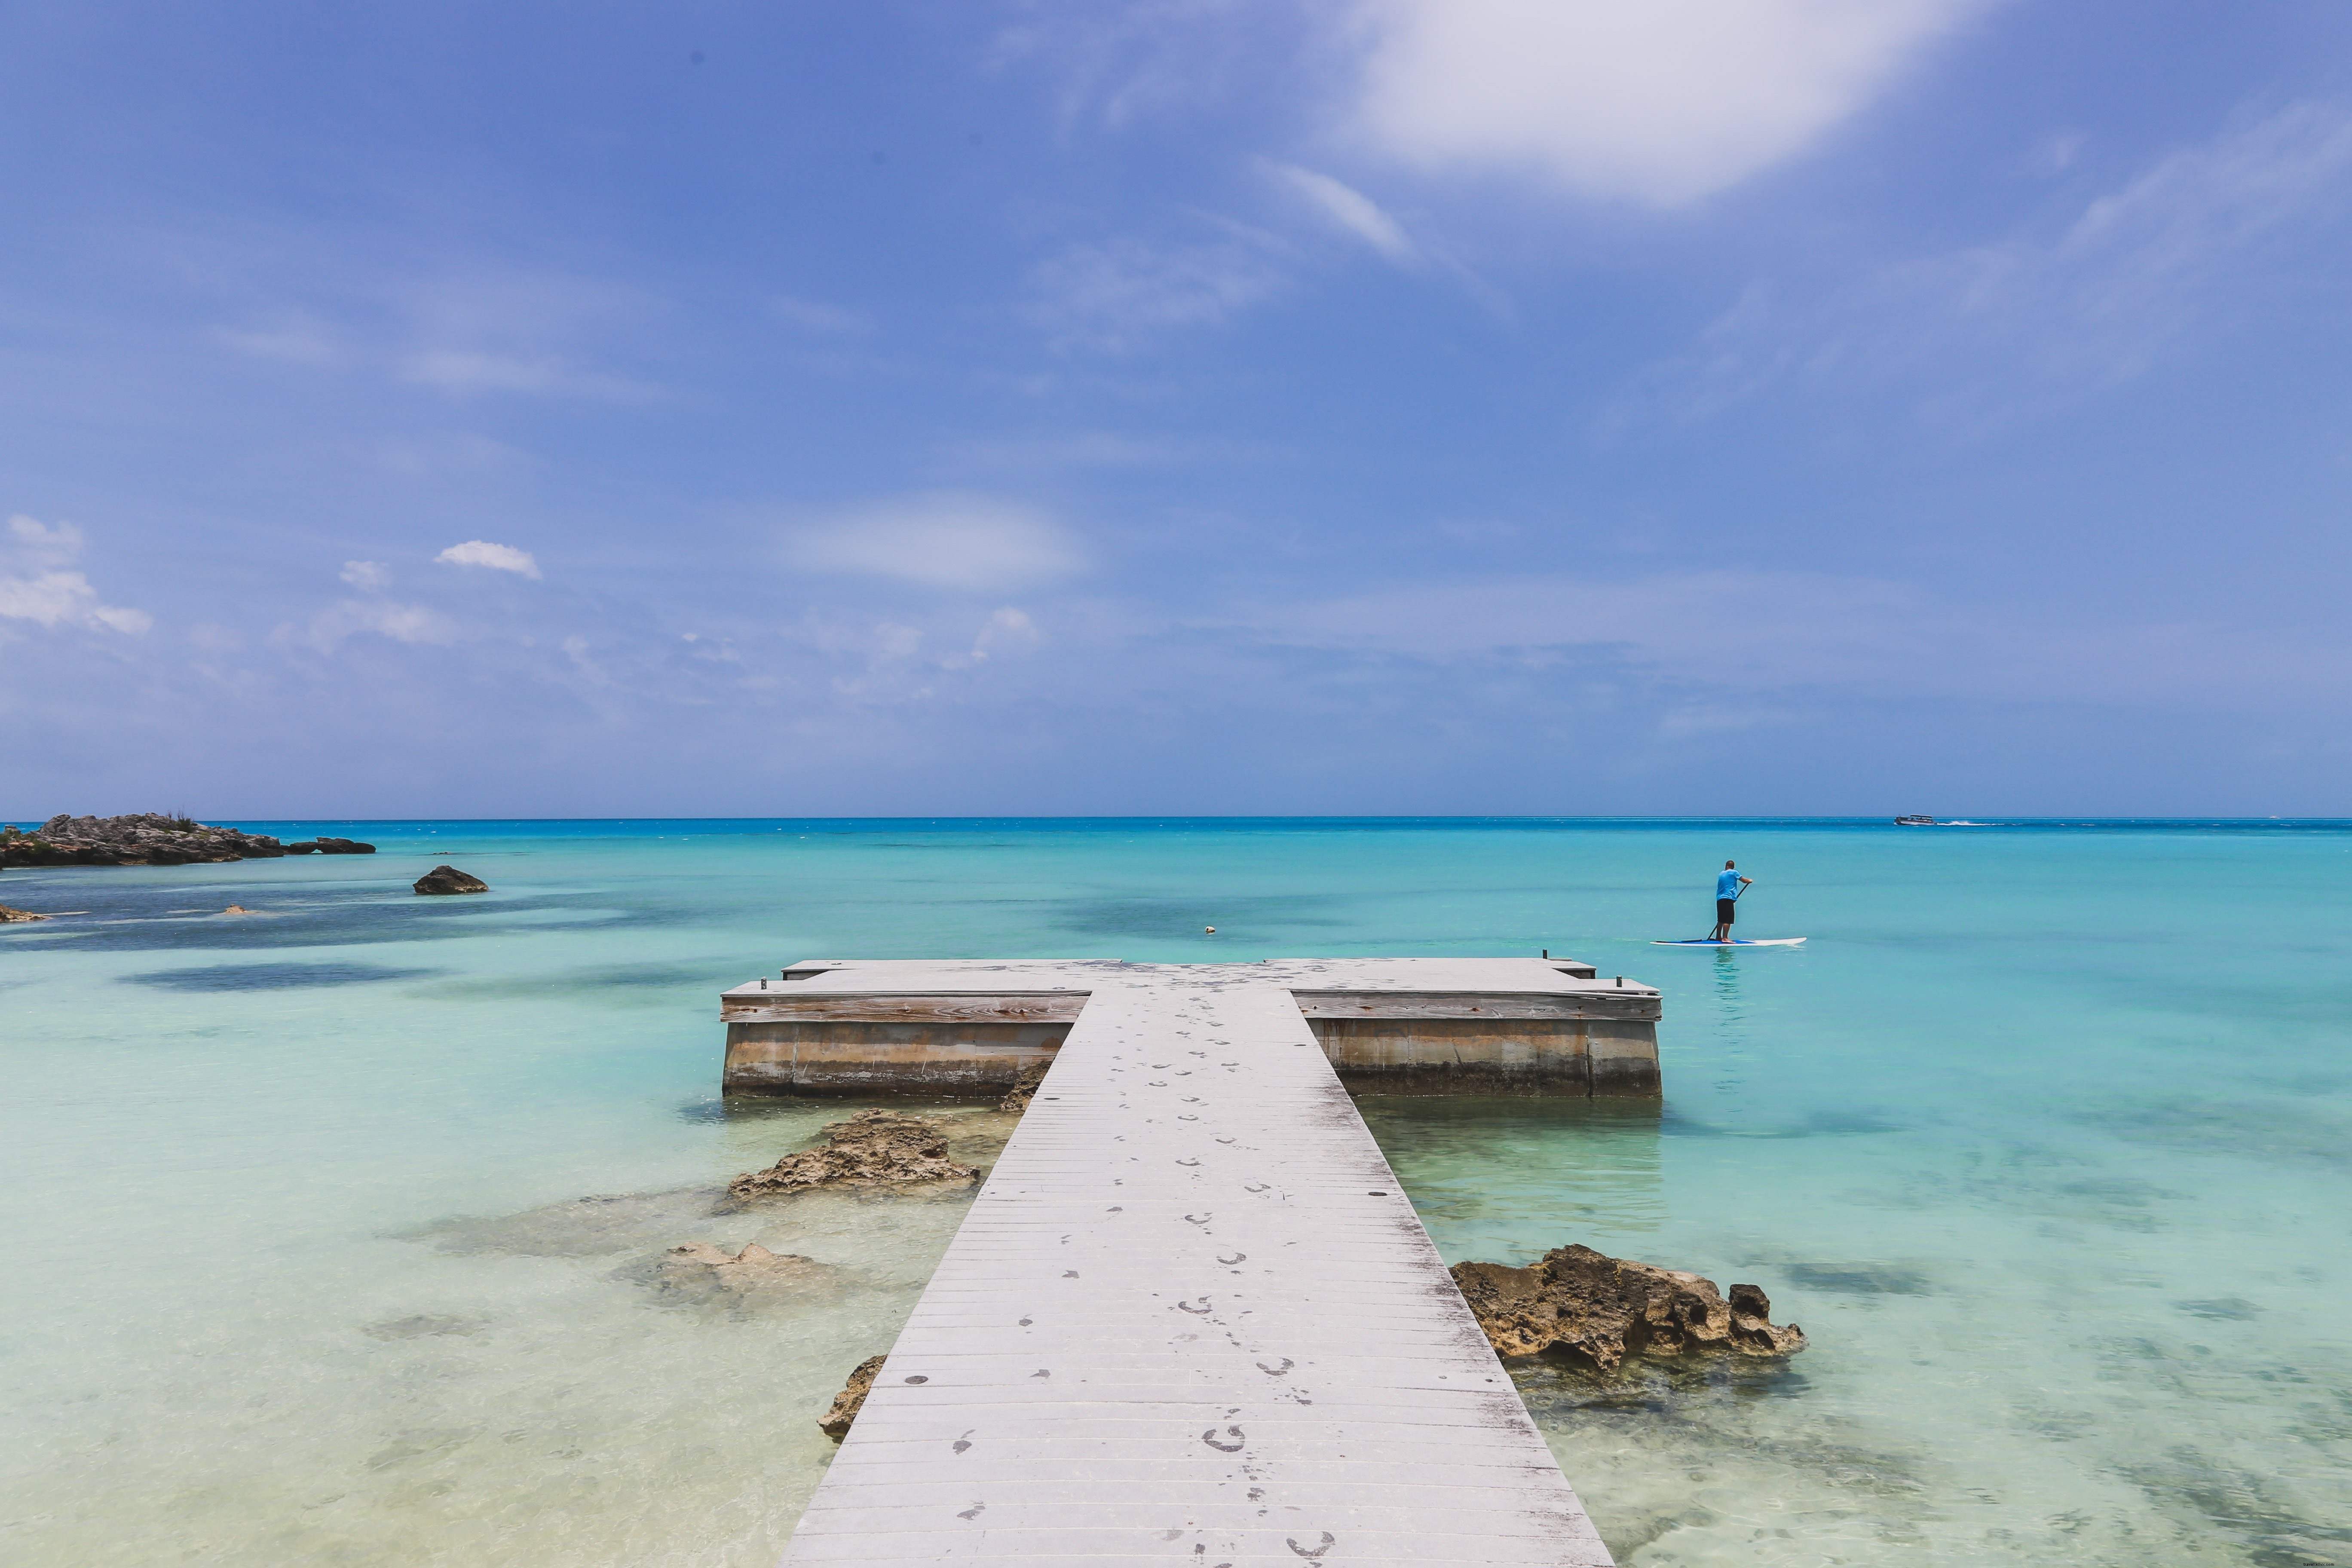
(1606, 1309)
(147, 838)
(449, 879)
(1024, 1088)
(872, 1148)
(851, 1399)
(699, 1268)
(7, 915)
(323, 844)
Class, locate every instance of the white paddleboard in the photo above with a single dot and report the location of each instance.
(1735, 941)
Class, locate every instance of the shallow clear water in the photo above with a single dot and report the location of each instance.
(2046, 1137)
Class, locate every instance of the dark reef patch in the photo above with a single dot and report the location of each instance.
(2225, 1308)
(271, 976)
(1860, 1281)
(649, 979)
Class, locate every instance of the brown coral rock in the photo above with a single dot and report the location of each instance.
(872, 1148)
(1024, 1088)
(7, 915)
(1606, 1309)
(851, 1399)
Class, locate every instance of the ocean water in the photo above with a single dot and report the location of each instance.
(330, 1226)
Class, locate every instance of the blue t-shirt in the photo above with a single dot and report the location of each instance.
(1727, 885)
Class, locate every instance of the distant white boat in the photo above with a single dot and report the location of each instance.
(1915, 822)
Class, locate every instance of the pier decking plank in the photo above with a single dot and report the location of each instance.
(1192, 1318)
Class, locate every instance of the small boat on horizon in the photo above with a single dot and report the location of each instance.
(1915, 822)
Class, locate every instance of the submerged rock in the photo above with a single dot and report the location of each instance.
(422, 1325)
(872, 1148)
(701, 1269)
(449, 879)
(851, 1399)
(1024, 1088)
(578, 1227)
(1606, 1309)
(7, 915)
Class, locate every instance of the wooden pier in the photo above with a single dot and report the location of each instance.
(1397, 1026)
(1192, 1318)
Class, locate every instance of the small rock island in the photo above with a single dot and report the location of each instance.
(145, 838)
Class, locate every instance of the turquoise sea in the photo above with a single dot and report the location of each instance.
(2046, 1137)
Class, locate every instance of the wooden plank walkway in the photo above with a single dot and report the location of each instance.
(1192, 1319)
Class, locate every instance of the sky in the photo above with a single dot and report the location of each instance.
(857, 407)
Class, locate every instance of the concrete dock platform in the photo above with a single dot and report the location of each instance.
(1392, 1025)
(1192, 1319)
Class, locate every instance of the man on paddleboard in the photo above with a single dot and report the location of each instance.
(1726, 894)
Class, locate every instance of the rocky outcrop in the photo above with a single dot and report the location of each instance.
(9, 915)
(147, 838)
(1605, 1308)
(1024, 1088)
(872, 1148)
(325, 845)
(851, 1399)
(449, 879)
(698, 1268)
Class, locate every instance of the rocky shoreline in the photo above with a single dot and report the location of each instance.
(151, 839)
(1605, 1308)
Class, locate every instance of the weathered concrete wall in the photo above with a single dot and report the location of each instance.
(1469, 1055)
(849, 1057)
(1392, 1026)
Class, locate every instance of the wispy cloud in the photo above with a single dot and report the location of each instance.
(1734, 639)
(464, 372)
(1988, 327)
(1116, 295)
(496, 557)
(1350, 209)
(332, 626)
(1124, 60)
(1656, 101)
(369, 574)
(289, 342)
(816, 316)
(940, 540)
(36, 582)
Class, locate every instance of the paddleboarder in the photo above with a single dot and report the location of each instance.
(1728, 888)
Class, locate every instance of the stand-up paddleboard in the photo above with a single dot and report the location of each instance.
(1735, 941)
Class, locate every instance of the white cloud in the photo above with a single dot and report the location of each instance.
(940, 540)
(1658, 101)
(370, 575)
(1352, 210)
(1112, 296)
(49, 594)
(497, 557)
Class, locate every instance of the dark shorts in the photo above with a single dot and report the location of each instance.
(1723, 910)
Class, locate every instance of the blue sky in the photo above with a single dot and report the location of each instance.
(1301, 406)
